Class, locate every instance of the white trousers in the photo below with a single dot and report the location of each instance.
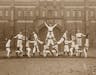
(55, 47)
(28, 51)
(46, 51)
(55, 50)
(50, 34)
(8, 52)
(71, 51)
(50, 42)
(79, 41)
(19, 43)
(66, 48)
(36, 48)
(21, 48)
(85, 52)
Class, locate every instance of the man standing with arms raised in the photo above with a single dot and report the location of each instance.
(50, 35)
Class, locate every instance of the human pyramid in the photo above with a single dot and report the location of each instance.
(72, 47)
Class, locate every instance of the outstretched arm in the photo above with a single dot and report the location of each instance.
(46, 25)
(39, 41)
(15, 36)
(83, 35)
(32, 41)
(60, 41)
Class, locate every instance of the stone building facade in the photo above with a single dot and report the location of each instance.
(29, 15)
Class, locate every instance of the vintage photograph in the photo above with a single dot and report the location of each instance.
(47, 37)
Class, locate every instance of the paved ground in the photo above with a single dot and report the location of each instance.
(49, 66)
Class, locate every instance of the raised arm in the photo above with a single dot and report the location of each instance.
(46, 25)
(54, 25)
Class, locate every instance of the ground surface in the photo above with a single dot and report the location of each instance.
(49, 66)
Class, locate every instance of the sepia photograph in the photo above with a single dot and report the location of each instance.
(47, 37)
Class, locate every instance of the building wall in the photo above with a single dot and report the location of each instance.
(30, 15)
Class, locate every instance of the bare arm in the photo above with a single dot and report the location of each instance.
(39, 41)
(54, 25)
(83, 34)
(46, 25)
(15, 36)
(70, 41)
(60, 41)
(32, 41)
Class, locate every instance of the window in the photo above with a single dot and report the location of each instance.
(43, 13)
(31, 13)
(19, 13)
(91, 13)
(76, 13)
(79, 14)
(1, 13)
(56, 13)
(6, 13)
(62, 12)
(37, 13)
(50, 13)
(26, 13)
(68, 14)
(73, 13)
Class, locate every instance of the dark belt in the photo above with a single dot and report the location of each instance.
(50, 38)
(63, 38)
(7, 47)
(50, 31)
(19, 39)
(79, 37)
